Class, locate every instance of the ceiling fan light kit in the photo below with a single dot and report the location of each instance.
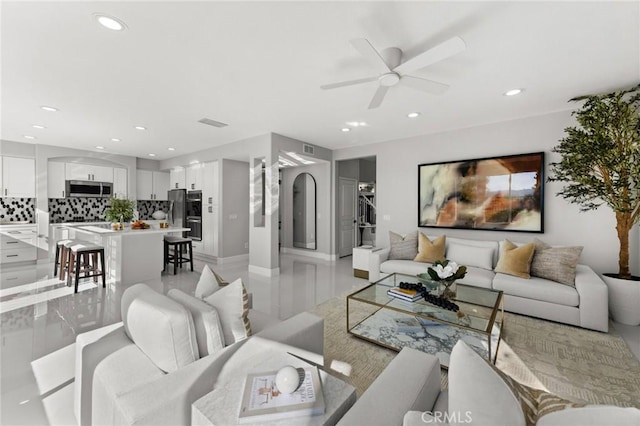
(388, 63)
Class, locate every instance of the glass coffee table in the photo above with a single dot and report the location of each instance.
(394, 323)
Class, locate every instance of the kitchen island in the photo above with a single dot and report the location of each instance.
(131, 255)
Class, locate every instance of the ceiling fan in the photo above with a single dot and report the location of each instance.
(392, 71)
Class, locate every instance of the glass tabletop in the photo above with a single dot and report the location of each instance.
(478, 306)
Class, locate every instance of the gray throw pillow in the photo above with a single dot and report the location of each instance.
(403, 248)
(555, 263)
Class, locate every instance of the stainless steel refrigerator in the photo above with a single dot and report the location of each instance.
(178, 208)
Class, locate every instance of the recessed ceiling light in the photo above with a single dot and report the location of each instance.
(152, 155)
(38, 126)
(99, 147)
(49, 108)
(109, 22)
(413, 114)
(513, 92)
(171, 149)
(356, 123)
(115, 140)
(29, 137)
(345, 129)
(194, 162)
(141, 128)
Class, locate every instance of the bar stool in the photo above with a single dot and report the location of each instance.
(177, 258)
(62, 256)
(86, 258)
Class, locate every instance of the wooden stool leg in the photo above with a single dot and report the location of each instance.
(77, 277)
(191, 255)
(55, 263)
(165, 256)
(70, 267)
(175, 258)
(104, 270)
(94, 269)
(64, 261)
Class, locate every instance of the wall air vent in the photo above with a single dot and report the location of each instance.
(308, 149)
(213, 123)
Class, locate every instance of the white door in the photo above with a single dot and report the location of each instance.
(144, 181)
(74, 171)
(102, 173)
(55, 180)
(19, 177)
(177, 178)
(160, 185)
(120, 182)
(347, 215)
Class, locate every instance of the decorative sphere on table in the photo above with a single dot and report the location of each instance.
(289, 379)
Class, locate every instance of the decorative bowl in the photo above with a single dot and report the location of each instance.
(159, 215)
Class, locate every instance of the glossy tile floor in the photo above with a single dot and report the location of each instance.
(40, 318)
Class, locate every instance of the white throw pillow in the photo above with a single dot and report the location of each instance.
(481, 257)
(162, 328)
(206, 321)
(232, 304)
(478, 392)
(207, 285)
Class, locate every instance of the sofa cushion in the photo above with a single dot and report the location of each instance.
(207, 285)
(162, 328)
(206, 321)
(232, 304)
(593, 415)
(478, 277)
(555, 263)
(472, 255)
(403, 247)
(474, 387)
(408, 267)
(515, 260)
(537, 289)
(430, 251)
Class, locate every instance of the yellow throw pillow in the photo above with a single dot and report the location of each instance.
(515, 260)
(430, 251)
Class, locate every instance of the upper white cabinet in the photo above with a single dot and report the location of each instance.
(194, 177)
(152, 185)
(76, 171)
(56, 180)
(178, 178)
(18, 177)
(120, 182)
(160, 186)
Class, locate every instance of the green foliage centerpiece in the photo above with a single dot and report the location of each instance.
(119, 211)
(445, 274)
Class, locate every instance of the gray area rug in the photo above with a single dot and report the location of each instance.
(580, 365)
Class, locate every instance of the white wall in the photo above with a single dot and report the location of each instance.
(234, 209)
(397, 185)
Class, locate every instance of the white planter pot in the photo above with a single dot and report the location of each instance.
(624, 300)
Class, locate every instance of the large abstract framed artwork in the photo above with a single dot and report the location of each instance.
(499, 193)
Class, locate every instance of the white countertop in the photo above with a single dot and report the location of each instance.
(127, 231)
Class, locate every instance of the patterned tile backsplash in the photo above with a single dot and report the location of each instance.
(17, 210)
(90, 209)
(77, 209)
(147, 207)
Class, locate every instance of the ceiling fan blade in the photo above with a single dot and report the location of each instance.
(438, 53)
(347, 83)
(365, 48)
(378, 97)
(424, 85)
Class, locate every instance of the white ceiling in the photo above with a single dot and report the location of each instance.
(258, 67)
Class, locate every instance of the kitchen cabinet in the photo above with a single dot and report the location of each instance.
(193, 177)
(55, 180)
(18, 177)
(120, 183)
(152, 185)
(210, 208)
(178, 178)
(75, 171)
(18, 244)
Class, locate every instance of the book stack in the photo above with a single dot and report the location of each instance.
(404, 294)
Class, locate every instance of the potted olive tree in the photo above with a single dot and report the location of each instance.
(120, 211)
(601, 165)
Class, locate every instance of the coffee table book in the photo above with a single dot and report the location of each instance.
(403, 295)
(262, 402)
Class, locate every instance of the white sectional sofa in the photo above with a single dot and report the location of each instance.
(585, 305)
(154, 380)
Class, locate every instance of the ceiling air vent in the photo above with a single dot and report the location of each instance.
(308, 149)
(213, 123)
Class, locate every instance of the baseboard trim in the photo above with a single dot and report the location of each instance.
(303, 252)
(259, 270)
(233, 259)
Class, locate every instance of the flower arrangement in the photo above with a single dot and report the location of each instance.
(446, 273)
(120, 210)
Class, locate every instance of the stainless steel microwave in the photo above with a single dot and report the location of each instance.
(86, 188)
